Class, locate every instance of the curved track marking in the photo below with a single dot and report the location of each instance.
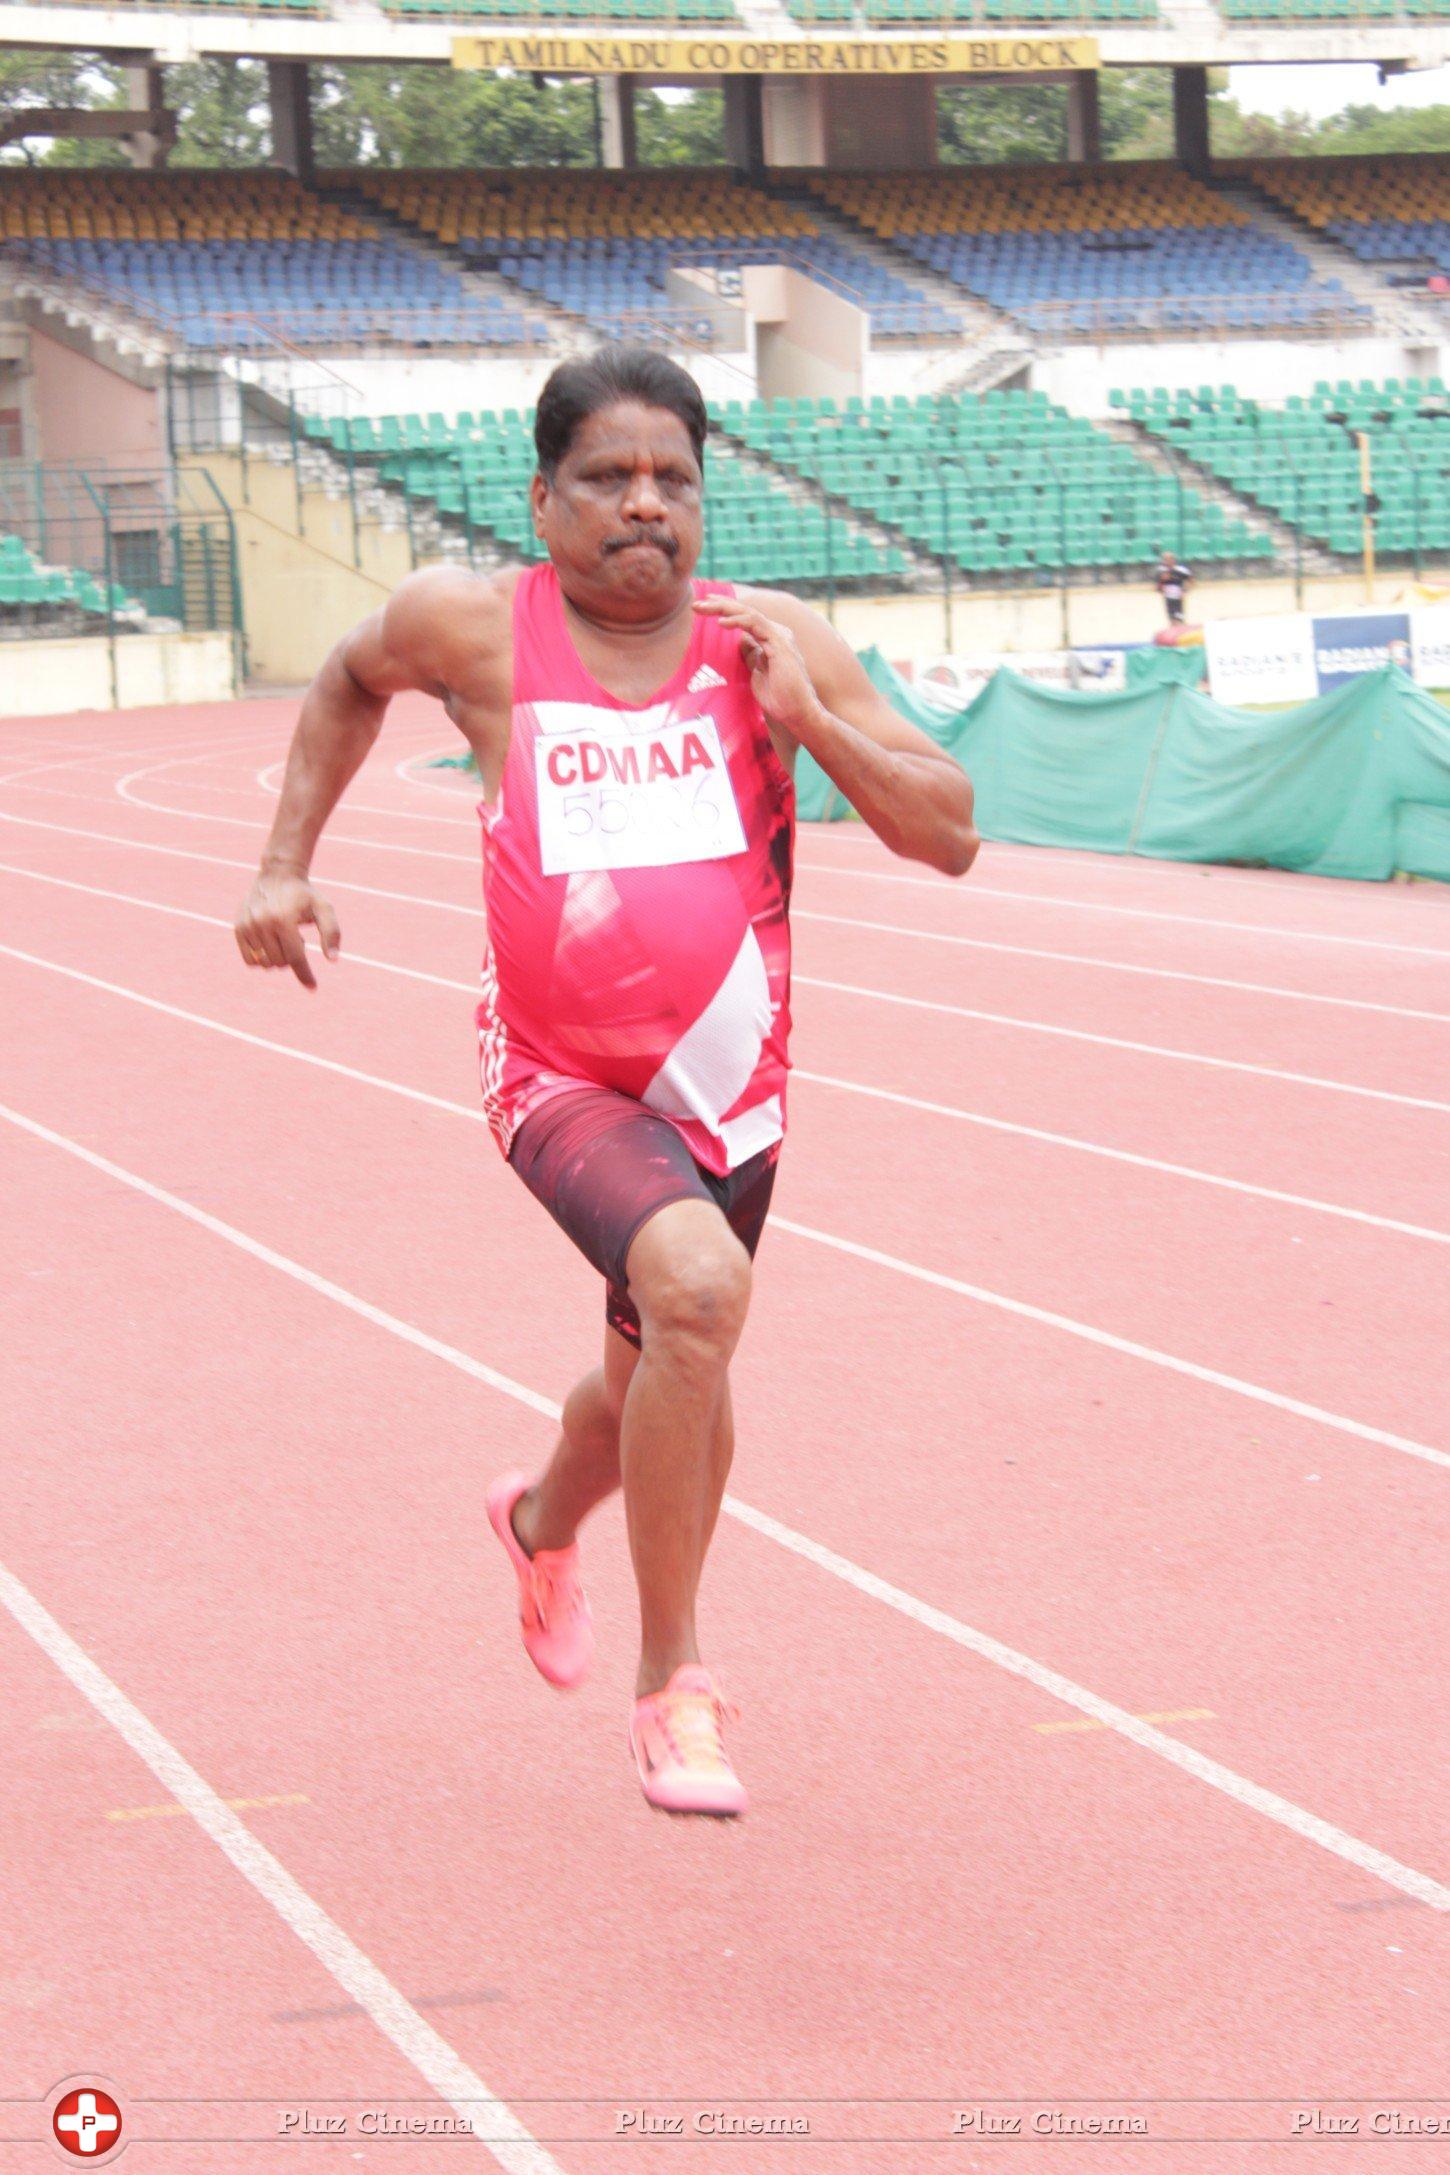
(1309, 1827)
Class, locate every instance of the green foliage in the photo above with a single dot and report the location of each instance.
(376, 113)
(372, 114)
(688, 131)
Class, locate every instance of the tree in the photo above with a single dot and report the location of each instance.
(997, 124)
(373, 114)
(686, 129)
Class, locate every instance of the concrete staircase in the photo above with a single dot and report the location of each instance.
(922, 571)
(563, 331)
(1164, 456)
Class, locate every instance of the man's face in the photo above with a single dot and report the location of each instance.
(621, 518)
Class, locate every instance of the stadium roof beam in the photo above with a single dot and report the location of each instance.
(147, 129)
(1198, 37)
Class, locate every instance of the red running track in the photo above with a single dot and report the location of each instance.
(1095, 1373)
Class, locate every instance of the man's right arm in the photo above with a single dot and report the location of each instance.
(415, 641)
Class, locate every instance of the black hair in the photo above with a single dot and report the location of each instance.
(582, 386)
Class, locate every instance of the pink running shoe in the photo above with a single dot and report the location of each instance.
(675, 1737)
(558, 1629)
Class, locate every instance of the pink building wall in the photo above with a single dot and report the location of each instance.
(86, 413)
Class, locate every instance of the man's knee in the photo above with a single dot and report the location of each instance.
(692, 1286)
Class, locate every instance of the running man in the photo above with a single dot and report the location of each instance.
(635, 731)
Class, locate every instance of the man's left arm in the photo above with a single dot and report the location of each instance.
(814, 690)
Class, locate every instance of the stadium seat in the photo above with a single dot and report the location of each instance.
(601, 245)
(1085, 252)
(1003, 482)
(1301, 461)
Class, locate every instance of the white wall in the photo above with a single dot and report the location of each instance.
(1081, 377)
(52, 678)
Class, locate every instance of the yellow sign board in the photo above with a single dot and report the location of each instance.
(545, 54)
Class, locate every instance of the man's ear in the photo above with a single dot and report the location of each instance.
(538, 490)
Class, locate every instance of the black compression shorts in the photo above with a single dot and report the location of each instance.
(603, 1165)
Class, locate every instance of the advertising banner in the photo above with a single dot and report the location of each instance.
(1351, 643)
(1430, 644)
(947, 683)
(1261, 660)
(710, 54)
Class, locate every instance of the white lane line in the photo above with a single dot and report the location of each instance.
(1308, 1826)
(252, 824)
(494, 2124)
(1117, 966)
(1066, 1322)
(1126, 1345)
(974, 943)
(993, 1019)
(1136, 913)
(83, 759)
(1145, 913)
(1121, 1042)
(850, 1087)
(216, 860)
(1122, 1155)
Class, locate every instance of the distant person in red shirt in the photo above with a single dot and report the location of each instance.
(1173, 579)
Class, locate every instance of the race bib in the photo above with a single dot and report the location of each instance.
(611, 797)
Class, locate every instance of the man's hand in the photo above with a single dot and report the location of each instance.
(270, 924)
(779, 677)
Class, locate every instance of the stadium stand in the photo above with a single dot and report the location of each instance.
(1089, 251)
(1003, 481)
(600, 244)
(1301, 462)
(241, 259)
(1386, 210)
(656, 13)
(984, 12)
(476, 470)
(1333, 11)
(33, 592)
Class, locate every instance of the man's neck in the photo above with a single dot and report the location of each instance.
(627, 631)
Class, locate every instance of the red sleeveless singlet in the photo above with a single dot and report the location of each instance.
(636, 874)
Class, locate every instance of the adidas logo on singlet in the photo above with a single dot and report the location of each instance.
(707, 676)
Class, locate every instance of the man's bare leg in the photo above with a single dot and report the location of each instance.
(584, 1469)
(585, 1466)
(689, 1276)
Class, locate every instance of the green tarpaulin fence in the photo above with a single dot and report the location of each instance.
(1355, 784)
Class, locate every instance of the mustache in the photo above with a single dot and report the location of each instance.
(661, 538)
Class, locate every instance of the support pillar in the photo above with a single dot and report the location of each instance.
(745, 125)
(1084, 127)
(146, 95)
(1190, 120)
(616, 121)
(290, 95)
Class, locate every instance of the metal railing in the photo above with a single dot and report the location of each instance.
(1306, 313)
(107, 550)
